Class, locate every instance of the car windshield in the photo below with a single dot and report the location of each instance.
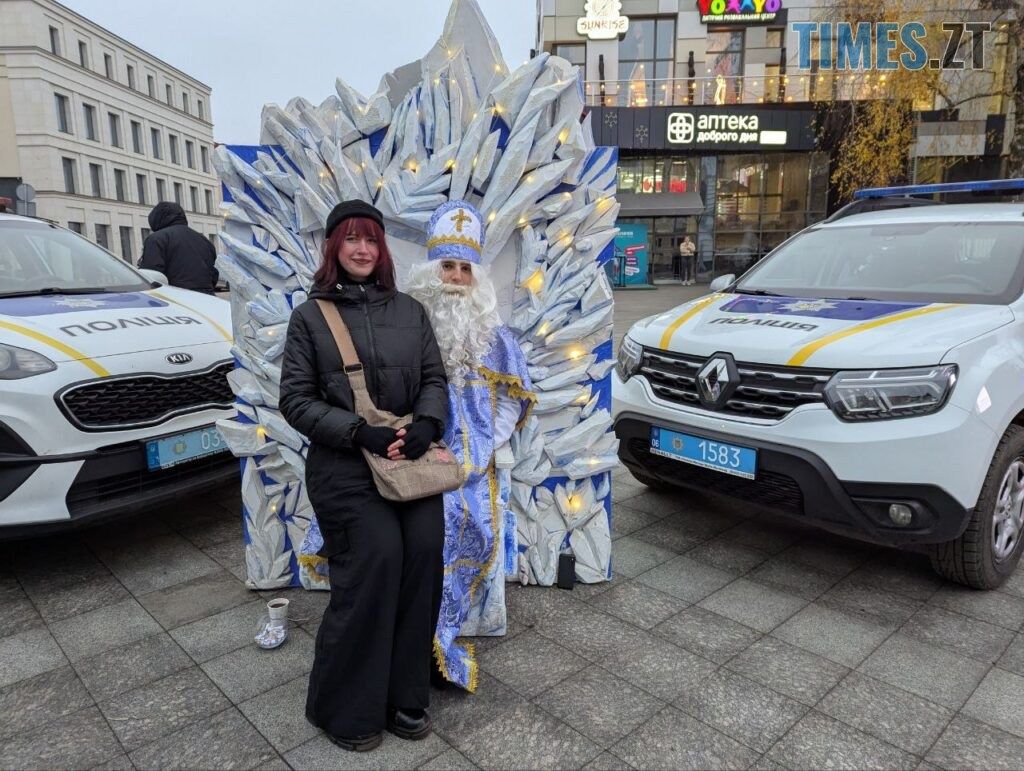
(966, 262)
(38, 258)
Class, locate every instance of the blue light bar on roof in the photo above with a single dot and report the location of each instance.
(1006, 185)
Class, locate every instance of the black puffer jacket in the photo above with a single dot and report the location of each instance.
(177, 251)
(402, 364)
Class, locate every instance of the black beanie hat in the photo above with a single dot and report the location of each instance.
(348, 209)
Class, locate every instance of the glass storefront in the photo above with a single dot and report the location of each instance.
(752, 203)
(657, 174)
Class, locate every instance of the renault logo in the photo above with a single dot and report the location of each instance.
(178, 358)
(716, 380)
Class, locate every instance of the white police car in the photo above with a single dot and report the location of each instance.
(109, 383)
(866, 377)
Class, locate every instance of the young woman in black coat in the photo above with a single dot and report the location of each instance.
(374, 650)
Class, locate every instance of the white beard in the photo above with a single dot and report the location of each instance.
(464, 319)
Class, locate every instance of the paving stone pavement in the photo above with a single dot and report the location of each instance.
(727, 639)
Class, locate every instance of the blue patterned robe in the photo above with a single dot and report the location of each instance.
(480, 531)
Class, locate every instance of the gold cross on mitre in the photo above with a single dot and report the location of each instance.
(459, 218)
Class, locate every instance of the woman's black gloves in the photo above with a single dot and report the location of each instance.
(418, 436)
(376, 439)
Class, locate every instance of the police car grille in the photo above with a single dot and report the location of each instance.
(145, 400)
(765, 391)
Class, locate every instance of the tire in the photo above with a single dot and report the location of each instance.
(975, 559)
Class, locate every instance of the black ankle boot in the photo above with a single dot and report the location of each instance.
(413, 724)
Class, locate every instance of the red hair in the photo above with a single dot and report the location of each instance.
(330, 272)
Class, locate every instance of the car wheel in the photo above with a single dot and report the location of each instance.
(989, 549)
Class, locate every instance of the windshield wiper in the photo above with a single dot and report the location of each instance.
(48, 290)
(760, 292)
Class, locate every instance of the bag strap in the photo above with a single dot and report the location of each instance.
(347, 349)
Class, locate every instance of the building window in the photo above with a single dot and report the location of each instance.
(89, 113)
(170, 97)
(209, 201)
(161, 190)
(144, 232)
(646, 55)
(103, 236)
(55, 41)
(140, 186)
(126, 243)
(69, 174)
(177, 193)
(151, 86)
(76, 227)
(574, 53)
(204, 156)
(119, 185)
(115, 129)
(184, 100)
(154, 135)
(137, 137)
(212, 238)
(190, 154)
(63, 113)
(131, 77)
(200, 109)
(173, 140)
(108, 66)
(755, 210)
(194, 195)
(83, 54)
(653, 174)
(725, 59)
(96, 180)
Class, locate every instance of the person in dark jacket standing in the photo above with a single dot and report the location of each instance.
(374, 650)
(176, 250)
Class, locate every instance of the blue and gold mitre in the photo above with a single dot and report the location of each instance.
(455, 232)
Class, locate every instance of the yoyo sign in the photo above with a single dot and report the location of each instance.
(738, 11)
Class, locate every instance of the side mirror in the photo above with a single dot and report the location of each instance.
(153, 276)
(722, 282)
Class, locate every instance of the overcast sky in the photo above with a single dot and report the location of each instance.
(261, 51)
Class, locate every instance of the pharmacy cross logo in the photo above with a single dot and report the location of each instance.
(680, 127)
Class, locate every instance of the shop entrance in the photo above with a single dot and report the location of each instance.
(666, 233)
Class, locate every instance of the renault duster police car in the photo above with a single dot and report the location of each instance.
(109, 383)
(866, 377)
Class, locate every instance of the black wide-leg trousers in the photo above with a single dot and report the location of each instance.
(374, 649)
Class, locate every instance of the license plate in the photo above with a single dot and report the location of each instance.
(719, 456)
(181, 448)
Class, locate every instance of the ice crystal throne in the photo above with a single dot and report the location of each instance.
(456, 124)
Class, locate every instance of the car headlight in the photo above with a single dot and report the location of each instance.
(630, 354)
(18, 363)
(890, 393)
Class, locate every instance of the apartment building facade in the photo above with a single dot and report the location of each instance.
(101, 129)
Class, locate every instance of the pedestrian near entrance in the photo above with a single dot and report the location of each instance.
(688, 257)
(184, 256)
(372, 664)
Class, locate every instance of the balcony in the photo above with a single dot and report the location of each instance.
(721, 90)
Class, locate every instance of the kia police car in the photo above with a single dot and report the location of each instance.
(110, 383)
(867, 377)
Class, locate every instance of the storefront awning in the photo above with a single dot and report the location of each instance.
(659, 204)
